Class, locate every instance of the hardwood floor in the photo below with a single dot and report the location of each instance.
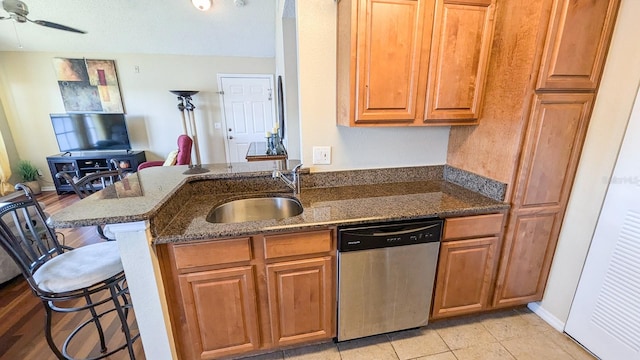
(22, 313)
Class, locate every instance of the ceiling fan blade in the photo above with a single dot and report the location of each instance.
(57, 26)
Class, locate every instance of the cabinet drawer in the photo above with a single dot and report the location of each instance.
(312, 242)
(212, 253)
(472, 226)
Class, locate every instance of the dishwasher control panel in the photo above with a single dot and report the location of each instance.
(388, 234)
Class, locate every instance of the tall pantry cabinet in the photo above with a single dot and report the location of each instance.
(545, 135)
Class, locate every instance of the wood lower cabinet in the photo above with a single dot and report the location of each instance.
(220, 311)
(526, 258)
(300, 300)
(467, 265)
(246, 295)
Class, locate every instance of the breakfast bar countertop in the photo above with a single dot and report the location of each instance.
(177, 205)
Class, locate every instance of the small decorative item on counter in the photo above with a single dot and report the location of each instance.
(271, 146)
(280, 150)
(274, 143)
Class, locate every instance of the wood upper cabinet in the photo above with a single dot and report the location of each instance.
(381, 59)
(387, 68)
(300, 300)
(467, 265)
(388, 59)
(577, 42)
(220, 312)
(462, 35)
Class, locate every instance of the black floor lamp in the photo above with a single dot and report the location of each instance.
(184, 103)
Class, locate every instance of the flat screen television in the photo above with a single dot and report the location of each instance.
(90, 131)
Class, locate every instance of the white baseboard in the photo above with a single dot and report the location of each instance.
(48, 188)
(546, 316)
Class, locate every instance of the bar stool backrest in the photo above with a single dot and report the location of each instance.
(91, 183)
(25, 236)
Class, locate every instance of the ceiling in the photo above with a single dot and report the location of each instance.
(146, 26)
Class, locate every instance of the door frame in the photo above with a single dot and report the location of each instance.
(220, 76)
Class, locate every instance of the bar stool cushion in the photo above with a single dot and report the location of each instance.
(79, 268)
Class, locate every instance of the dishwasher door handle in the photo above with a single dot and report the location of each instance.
(390, 233)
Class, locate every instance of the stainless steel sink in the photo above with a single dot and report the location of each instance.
(256, 208)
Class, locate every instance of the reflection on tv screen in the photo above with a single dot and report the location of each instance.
(83, 132)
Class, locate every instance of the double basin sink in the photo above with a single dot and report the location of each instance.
(255, 208)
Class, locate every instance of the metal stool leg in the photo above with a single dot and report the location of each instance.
(116, 292)
(96, 321)
(47, 330)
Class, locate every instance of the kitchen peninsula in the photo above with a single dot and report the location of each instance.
(173, 209)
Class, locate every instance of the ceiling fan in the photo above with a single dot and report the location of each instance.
(18, 11)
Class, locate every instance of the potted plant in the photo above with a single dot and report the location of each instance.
(29, 174)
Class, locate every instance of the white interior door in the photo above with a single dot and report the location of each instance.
(605, 314)
(248, 109)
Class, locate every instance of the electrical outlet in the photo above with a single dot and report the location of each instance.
(322, 155)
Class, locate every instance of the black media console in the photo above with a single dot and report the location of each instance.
(79, 164)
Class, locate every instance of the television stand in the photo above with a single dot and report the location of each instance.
(81, 164)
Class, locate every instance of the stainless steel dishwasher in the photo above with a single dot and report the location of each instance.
(385, 276)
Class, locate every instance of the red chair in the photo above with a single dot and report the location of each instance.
(183, 157)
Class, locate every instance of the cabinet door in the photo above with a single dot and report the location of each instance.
(526, 259)
(301, 298)
(466, 270)
(576, 44)
(389, 40)
(462, 35)
(220, 312)
(552, 147)
(551, 151)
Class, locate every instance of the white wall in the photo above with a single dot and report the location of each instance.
(29, 92)
(610, 116)
(352, 148)
(287, 67)
(292, 111)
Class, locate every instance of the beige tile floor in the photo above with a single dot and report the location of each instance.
(515, 334)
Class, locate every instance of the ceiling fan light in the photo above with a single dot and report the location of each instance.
(202, 5)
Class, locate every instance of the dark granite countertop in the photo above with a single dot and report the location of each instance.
(334, 206)
(177, 205)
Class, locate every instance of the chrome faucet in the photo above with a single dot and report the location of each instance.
(294, 183)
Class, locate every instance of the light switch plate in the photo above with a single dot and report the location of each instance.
(322, 155)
